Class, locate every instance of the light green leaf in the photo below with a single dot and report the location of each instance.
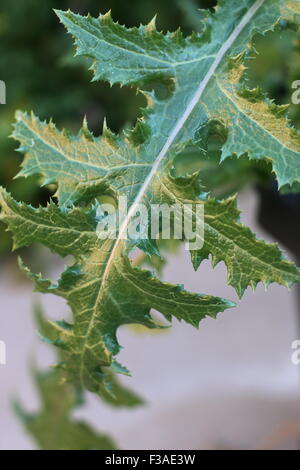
(203, 76)
(110, 389)
(248, 260)
(103, 291)
(215, 61)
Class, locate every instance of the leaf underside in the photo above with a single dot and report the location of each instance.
(103, 288)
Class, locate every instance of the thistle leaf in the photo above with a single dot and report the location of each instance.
(104, 292)
(248, 260)
(110, 390)
(216, 62)
(204, 79)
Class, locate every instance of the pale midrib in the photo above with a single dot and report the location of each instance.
(180, 123)
(170, 140)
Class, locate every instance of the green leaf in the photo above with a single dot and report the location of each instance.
(243, 253)
(215, 61)
(103, 291)
(110, 389)
(247, 259)
(53, 427)
(202, 75)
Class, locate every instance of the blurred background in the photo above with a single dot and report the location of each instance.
(232, 383)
